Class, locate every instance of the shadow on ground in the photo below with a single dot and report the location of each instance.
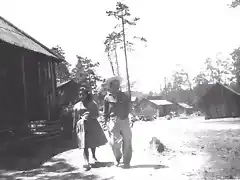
(28, 161)
(102, 164)
(223, 150)
(54, 170)
(153, 166)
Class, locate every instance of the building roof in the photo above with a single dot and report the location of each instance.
(69, 83)
(161, 102)
(155, 98)
(184, 105)
(218, 84)
(201, 91)
(63, 83)
(230, 89)
(13, 35)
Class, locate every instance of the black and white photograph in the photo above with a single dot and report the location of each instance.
(119, 89)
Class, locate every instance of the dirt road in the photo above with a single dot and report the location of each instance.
(198, 149)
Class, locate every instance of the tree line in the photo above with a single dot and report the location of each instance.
(178, 87)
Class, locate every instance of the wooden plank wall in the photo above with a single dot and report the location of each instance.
(11, 90)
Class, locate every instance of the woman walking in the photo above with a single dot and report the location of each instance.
(89, 132)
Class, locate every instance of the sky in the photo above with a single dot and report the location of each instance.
(182, 32)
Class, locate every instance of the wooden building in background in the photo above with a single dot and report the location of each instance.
(219, 101)
(68, 92)
(27, 78)
(156, 107)
(182, 108)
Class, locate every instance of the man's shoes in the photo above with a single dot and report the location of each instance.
(87, 167)
(126, 166)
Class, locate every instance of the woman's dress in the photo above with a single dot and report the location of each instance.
(88, 129)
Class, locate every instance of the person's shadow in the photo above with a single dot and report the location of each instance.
(109, 164)
(102, 164)
(153, 166)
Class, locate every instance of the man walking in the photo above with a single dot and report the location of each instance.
(117, 106)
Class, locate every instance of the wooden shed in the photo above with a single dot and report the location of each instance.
(163, 106)
(158, 107)
(220, 101)
(27, 78)
(182, 108)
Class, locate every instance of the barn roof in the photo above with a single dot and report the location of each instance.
(155, 98)
(161, 102)
(63, 83)
(68, 83)
(13, 35)
(202, 89)
(218, 84)
(230, 89)
(184, 105)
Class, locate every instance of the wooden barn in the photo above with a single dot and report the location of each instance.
(182, 108)
(28, 83)
(220, 101)
(146, 108)
(185, 108)
(156, 107)
(163, 106)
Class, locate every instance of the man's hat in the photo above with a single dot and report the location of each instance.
(115, 78)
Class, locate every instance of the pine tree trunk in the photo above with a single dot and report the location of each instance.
(111, 64)
(117, 64)
(125, 52)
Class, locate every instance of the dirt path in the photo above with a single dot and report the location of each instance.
(198, 150)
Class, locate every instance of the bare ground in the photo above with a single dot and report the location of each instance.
(197, 149)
